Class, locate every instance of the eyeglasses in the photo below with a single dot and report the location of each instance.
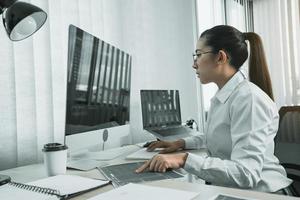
(198, 55)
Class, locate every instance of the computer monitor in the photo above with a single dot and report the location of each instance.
(160, 108)
(161, 114)
(98, 91)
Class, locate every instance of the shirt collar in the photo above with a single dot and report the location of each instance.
(223, 94)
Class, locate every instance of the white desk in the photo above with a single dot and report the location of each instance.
(37, 171)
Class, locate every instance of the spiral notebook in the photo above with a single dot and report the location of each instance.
(55, 187)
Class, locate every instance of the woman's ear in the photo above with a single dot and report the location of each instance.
(222, 57)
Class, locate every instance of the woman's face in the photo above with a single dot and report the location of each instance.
(205, 64)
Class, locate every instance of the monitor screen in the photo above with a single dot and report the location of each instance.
(98, 87)
(160, 108)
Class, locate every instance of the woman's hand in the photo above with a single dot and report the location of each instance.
(168, 146)
(162, 162)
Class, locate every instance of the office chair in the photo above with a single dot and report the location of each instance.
(287, 144)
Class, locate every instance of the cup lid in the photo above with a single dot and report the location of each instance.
(54, 147)
(4, 179)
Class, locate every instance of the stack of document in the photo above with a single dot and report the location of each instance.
(137, 192)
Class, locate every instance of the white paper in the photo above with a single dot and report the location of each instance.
(68, 184)
(110, 154)
(143, 154)
(85, 164)
(133, 191)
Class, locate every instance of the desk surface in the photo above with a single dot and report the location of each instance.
(37, 171)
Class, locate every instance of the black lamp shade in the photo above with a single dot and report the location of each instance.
(22, 19)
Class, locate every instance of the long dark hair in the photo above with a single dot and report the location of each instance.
(233, 42)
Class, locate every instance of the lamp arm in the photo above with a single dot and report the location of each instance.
(5, 4)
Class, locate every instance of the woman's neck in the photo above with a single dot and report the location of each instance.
(226, 76)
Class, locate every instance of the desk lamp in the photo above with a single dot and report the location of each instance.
(20, 20)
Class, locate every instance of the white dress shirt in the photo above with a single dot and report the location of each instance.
(239, 137)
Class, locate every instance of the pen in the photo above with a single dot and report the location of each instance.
(148, 143)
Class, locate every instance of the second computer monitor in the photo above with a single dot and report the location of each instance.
(161, 114)
(160, 108)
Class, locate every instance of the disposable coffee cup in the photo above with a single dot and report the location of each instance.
(55, 158)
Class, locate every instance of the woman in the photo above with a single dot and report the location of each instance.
(242, 121)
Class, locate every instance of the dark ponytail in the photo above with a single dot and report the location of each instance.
(233, 42)
(258, 68)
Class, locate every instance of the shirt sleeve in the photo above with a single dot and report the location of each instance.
(195, 142)
(253, 127)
